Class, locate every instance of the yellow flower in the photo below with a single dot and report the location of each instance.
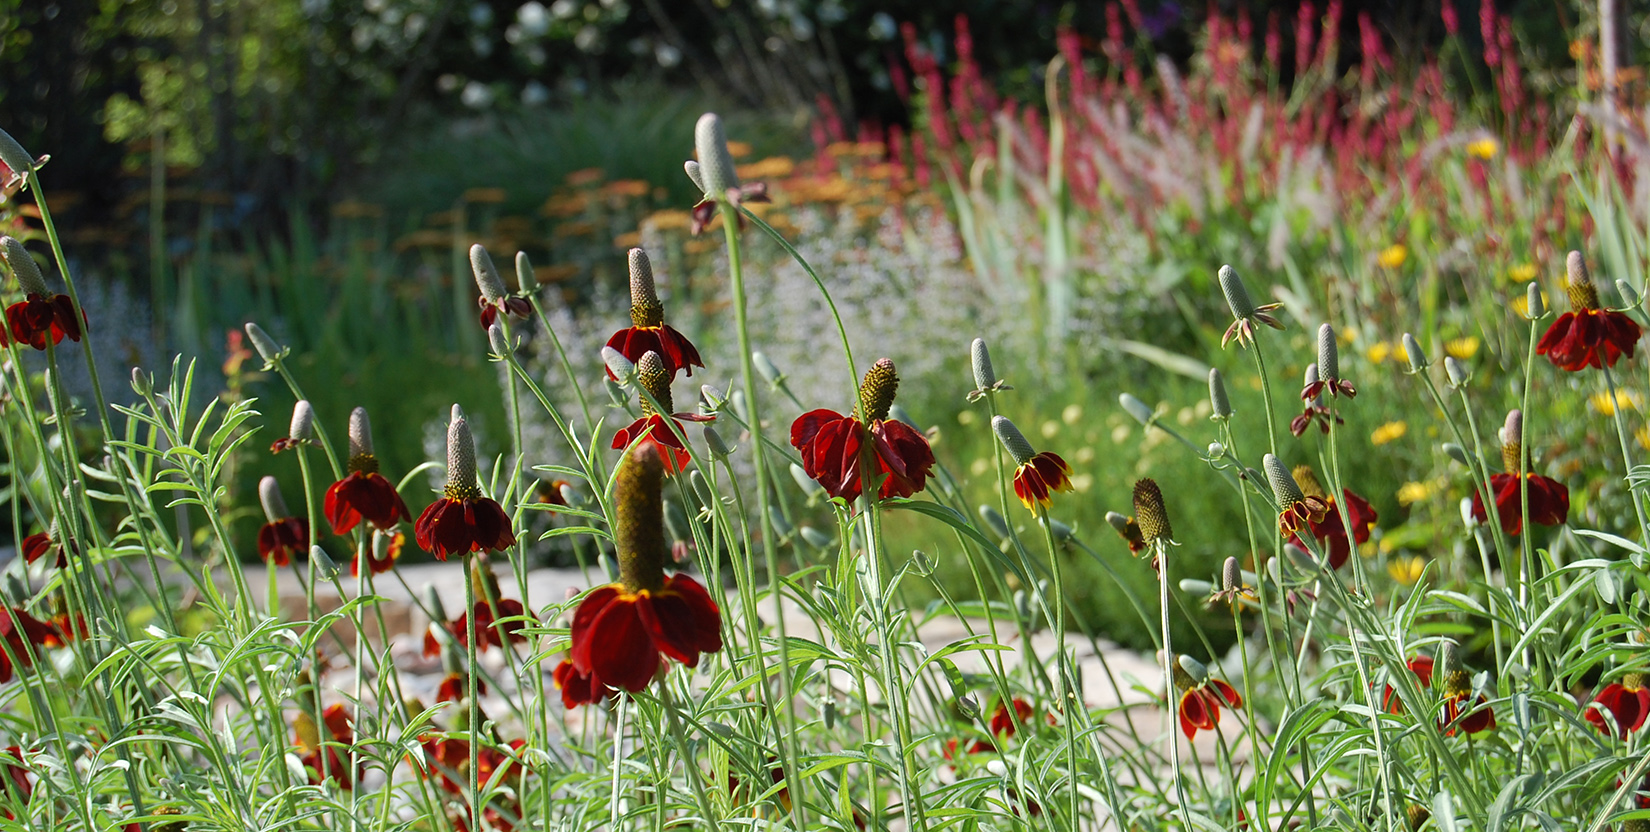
(1406, 569)
(1643, 437)
(1522, 273)
(1388, 432)
(1462, 348)
(1483, 149)
(1626, 399)
(1411, 493)
(1378, 351)
(1392, 256)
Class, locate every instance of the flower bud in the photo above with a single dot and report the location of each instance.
(815, 537)
(360, 433)
(1062, 532)
(526, 280)
(1231, 575)
(616, 363)
(712, 397)
(461, 456)
(980, 356)
(994, 521)
(695, 174)
(1136, 408)
(1457, 453)
(1512, 431)
(1149, 512)
(809, 487)
(487, 279)
(141, 383)
(710, 140)
(1416, 356)
(325, 568)
(1013, 440)
(497, 340)
(718, 447)
(1196, 587)
(1329, 359)
(781, 526)
(267, 349)
(29, 278)
(1237, 296)
(1218, 400)
(1456, 371)
(269, 495)
(1285, 490)
(766, 369)
(1216, 450)
(302, 426)
(1535, 304)
(1629, 295)
(433, 605)
(14, 155)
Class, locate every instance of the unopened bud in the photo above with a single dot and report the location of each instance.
(1216, 450)
(780, 525)
(1194, 668)
(718, 447)
(712, 397)
(1456, 371)
(1196, 587)
(498, 341)
(979, 354)
(695, 174)
(526, 279)
(1013, 440)
(994, 521)
(267, 349)
(487, 279)
(815, 537)
(1329, 357)
(14, 155)
(269, 495)
(325, 568)
(1535, 304)
(141, 383)
(766, 369)
(616, 363)
(1237, 296)
(433, 605)
(1218, 400)
(1414, 354)
(1136, 408)
(1629, 295)
(22, 264)
(302, 426)
(808, 485)
(1062, 533)
(1457, 453)
(710, 139)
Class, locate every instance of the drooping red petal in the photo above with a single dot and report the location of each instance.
(830, 446)
(1227, 693)
(583, 617)
(579, 688)
(903, 454)
(621, 651)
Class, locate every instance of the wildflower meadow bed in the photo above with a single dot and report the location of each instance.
(1497, 683)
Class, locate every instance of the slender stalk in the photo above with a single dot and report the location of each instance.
(1626, 454)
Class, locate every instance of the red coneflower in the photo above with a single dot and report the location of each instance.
(382, 555)
(299, 430)
(648, 331)
(449, 757)
(1296, 510)
(1419, 665)
(455, 686)
(41, 314)
(41, 544)
(579, 689)
(1328, 369)
(1039, 475)
(336, 766)
(1628, 702)
(1329, 530)
(1201, 697)
(512, 617)
(1549, 498)
(463, 520)
(1473, 717)
(656, 428)
(1245, 314)
(494, 299)
(715, 175)
(21, 631)
(284, 535)
(1314, 412)
(831, 443)
(621, 632)
(1587, 336)
(363, 492)
(1003, 724)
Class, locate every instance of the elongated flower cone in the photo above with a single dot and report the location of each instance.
(463, 520)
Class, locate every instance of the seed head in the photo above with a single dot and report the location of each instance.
(695, 174)
(655, 379)
(1013, 440)
(638, 492)
(1535, 305)
(984, 376)
(616, 363)
(461, 458)
(1218, 400)
(645, 308)
(141, 383)
(14, 155)
(1329, 360)
(267, 349)
(1150, 513)
(1284, 488)
(525, 278)
(360, 433)
(1417, 357)
(302, 426)
(876, 391)
(1237, 296)
(1136, 408)
(487, 279)
(497, 340)
(710, 139)
(1449, 661)
(22, 264)
(1231, 575)
(269, 494)
(1583, 294)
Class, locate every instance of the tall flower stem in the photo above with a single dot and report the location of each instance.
(1070, 702)
(893, 690)
(1626, 454)
(788, 759)
(1161, 552)
(472, 702)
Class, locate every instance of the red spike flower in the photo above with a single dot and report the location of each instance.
(1039, 475)
(622, 632)
(40, 315)
(20, 632)
(463, 520)
(1201, 699)
(1587, 336)
(1549, 498)
(655, 428)
(1627, 701)
(284, 535)
(1329, 530)
(363, 492)
(41, 544)
(1419, 665)
(494, 299)
(832, 444)
(382, 556)
(491, 631)
(648, 331)
(455, 686)
(1460, 714)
